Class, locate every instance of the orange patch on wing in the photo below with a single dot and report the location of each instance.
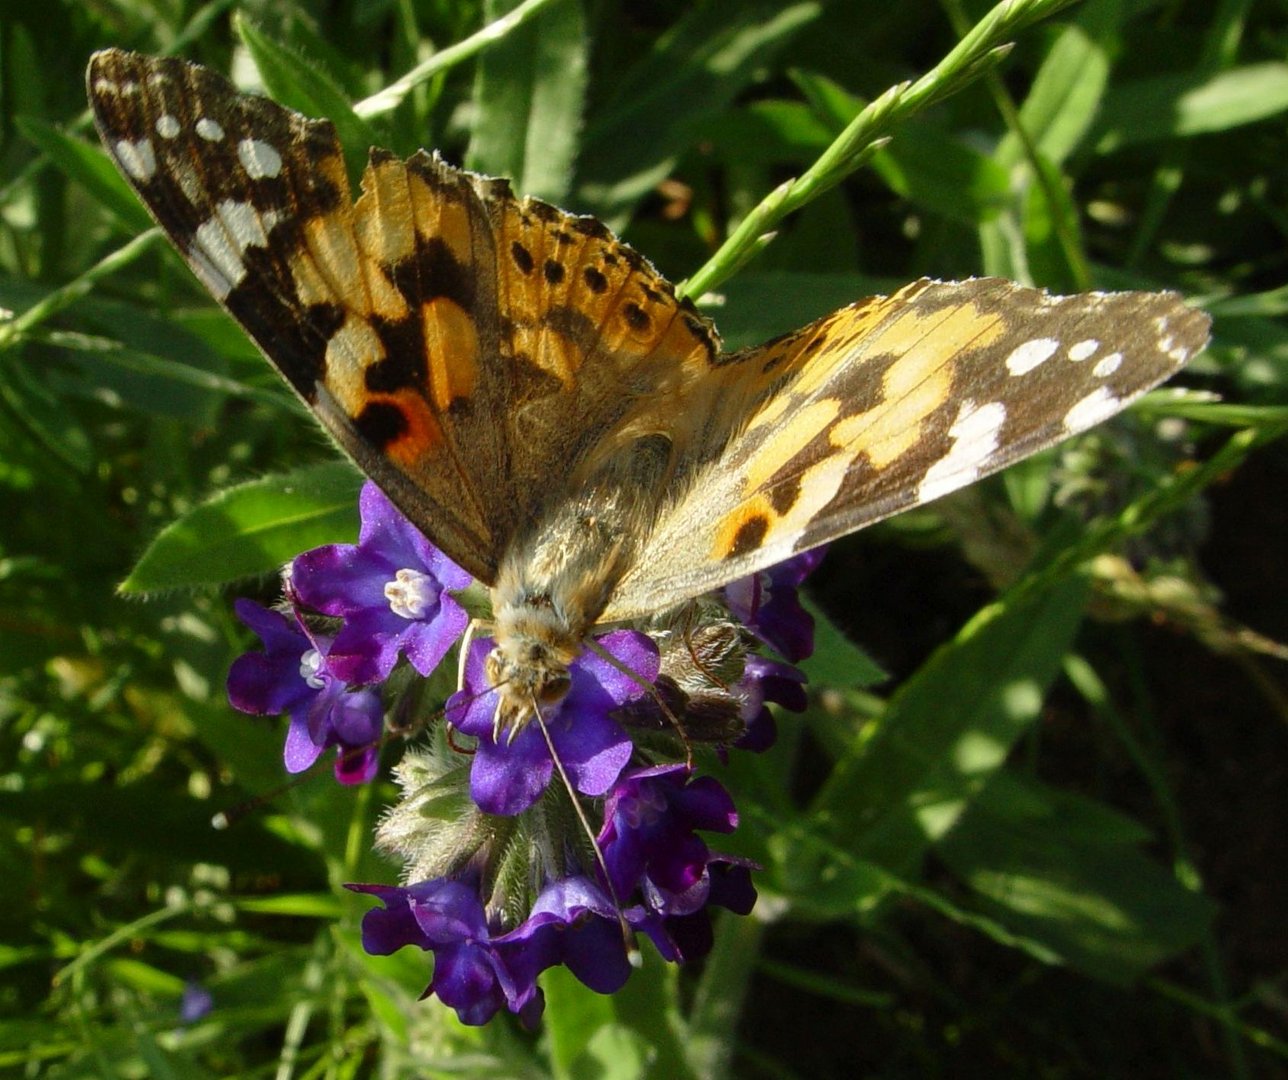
(423, 435)
(310, 285)
(789, 439)
(329, 241)
(452, 345)
(438, 218)
(350, 351)
(744, 529)
(919, 382)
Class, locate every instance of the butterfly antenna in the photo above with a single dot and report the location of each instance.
(595, 647)
(628, 935)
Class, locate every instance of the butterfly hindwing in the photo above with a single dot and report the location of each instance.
(890, 403)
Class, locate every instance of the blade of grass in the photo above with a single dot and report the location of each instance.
(977, 52)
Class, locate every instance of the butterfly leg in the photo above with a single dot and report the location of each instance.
(466, 641)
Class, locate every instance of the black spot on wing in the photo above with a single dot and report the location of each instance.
(636, 317)
(553, 271)
(750, 535)
(433, 271)
(403, 365)
(380, 423)
(543, 211)
(574, 326)
(522, 258)
(589, 226)
(595, 281)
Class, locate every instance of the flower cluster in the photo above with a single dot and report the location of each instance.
(507, 873)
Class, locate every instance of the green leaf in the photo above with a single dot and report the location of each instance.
(1064, 100)
(89, 166)
(251, 529)
(766, 133)
(529, 92)
(948, 729)
(592, 1035)
(46, 420)
(1068, 872)
(149, 363)
(693, 73)
(1196, 103)
(836, 660)
(942, 175)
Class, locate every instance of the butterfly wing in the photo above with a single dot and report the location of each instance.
(462, 345)
(887, 404)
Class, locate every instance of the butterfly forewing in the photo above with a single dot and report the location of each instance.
(467, 348)
(257, 200)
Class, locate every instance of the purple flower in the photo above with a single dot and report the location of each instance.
(580, 929)
(196, 1003)
(390, 588)
(689, 936)
(477, 971)
(292, 675)
(649, 839)
(765, 680)
(651, 851)
(767, 604)
(508, 777)
(474, 973)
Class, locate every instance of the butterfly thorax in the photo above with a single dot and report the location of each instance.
(559, 575)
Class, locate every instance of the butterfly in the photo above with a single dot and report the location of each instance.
(533, 395)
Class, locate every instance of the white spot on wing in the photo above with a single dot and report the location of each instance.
(103, 87)
(137, 159)
(259, 159)
(975, 434)
(220, 242)
(1099, 405)
(1107, 365)
(1024, 358)
(167, 126)
(1083, 350)
(209, 129)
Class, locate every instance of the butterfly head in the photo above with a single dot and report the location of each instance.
(528, 665)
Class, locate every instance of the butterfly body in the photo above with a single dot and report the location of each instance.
(559, 575)
(533, 395)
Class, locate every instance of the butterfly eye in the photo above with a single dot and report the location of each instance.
(554, 689)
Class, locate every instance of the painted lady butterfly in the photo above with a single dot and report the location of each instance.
(536, 399)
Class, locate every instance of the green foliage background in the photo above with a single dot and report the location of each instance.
(1032, 830)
